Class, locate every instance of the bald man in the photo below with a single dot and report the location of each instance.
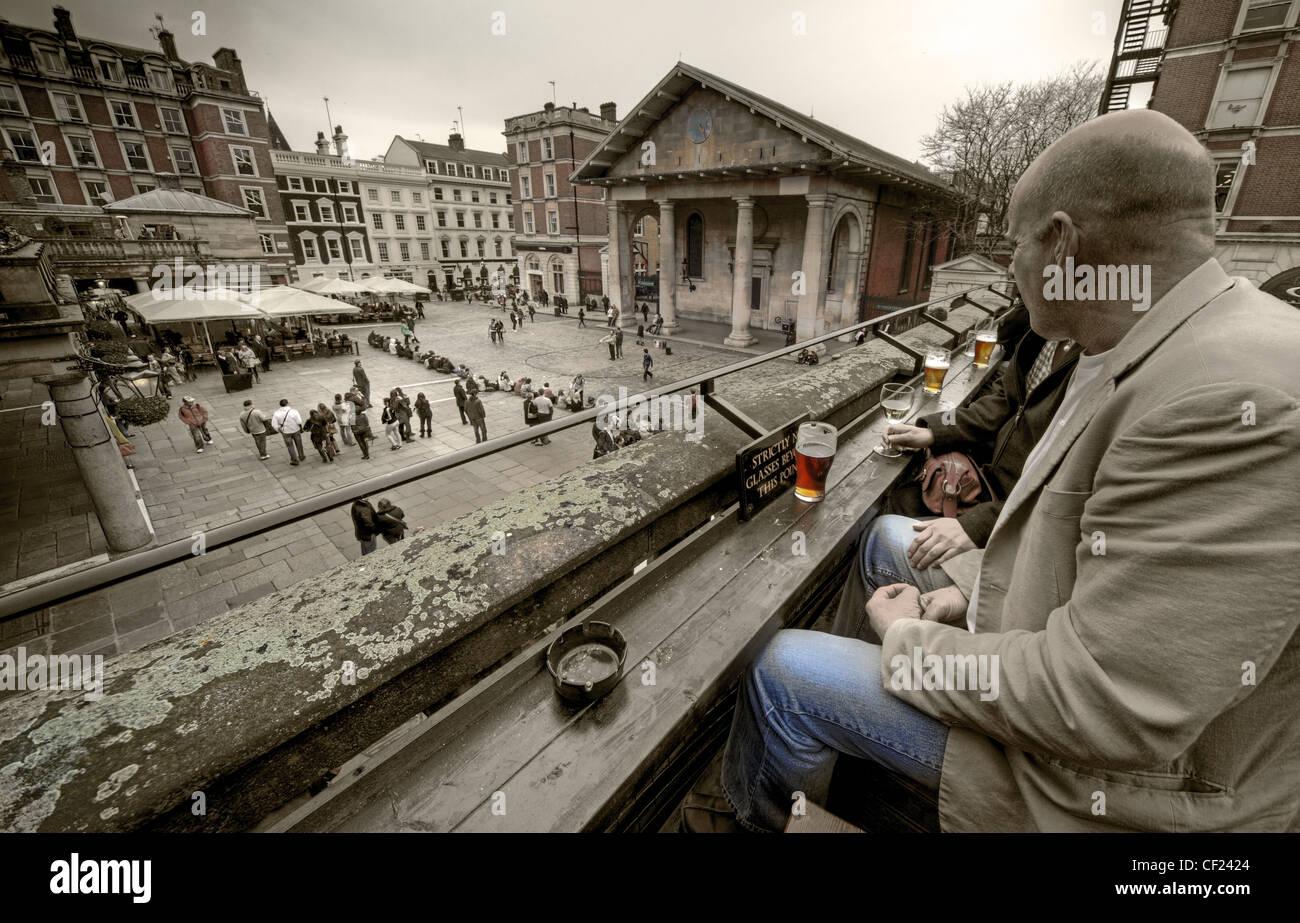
(1126, 655)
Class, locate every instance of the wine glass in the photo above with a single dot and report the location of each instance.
(896, 400)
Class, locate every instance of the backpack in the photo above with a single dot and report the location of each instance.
(243, 421)
(946, 492)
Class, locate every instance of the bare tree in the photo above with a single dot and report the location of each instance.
(986, 140)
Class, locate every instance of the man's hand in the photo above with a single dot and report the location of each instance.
(939, 540)
(905, 436)
(947, 605)
(890, 603)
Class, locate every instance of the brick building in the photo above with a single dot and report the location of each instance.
(93, 121)
(560, 228)
(765, 215)
(1227, 70)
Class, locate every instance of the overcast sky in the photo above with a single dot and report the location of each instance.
(878, 69)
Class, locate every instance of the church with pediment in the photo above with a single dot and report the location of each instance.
(765, 216)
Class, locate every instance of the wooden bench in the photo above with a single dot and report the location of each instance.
(509, 755)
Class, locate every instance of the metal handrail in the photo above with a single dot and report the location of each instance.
(140, 563)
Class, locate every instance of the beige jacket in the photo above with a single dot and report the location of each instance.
(1153, 682)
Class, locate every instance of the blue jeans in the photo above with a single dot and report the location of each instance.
(811, 696)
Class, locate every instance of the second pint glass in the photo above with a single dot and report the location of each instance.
(936, 368)
(986, 337)
(814, 450)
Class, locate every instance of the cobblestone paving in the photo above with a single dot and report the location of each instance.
(50, 521)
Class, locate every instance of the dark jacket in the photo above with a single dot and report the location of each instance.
(459, 391)
(391, 522)
(422, 408)
(359, 376)
(474, 408)
(1001, 428)
(364, 525)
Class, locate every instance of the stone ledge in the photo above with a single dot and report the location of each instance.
(251, 707)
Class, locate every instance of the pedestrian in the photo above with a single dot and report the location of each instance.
(344, 413)
(458, 391)
(186, 364)
(319, 429)
(364, 525)
(361, 431)
(530, 414)
(609, 341)
(514, 324)
(640, 334)
(157, 368)
(645, 312)
(331, 428)
(477, 417)
(391, 522)
(195, 417)
(533, 311)
(248, 359)
(256, 425)
(425, 413)
(618, 342)
(406, 334)
(402, 408)
(392, 429)
(492, 331)
(362, 381)
(577, 387)
(545, 411)
(609, 316)
(419, 308)
(288, 423)
(647, 363)
(582, 316)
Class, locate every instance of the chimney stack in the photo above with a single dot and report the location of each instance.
(63, 25)
(456, 142)
(167, 42)
(227, 60)
(340, 142)
(607, 112)
(322, 143)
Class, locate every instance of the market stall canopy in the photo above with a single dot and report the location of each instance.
(394, 287)
(283, 301)
(189, 305)
(332, 287)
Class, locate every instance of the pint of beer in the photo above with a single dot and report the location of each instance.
(985, 340)
(814, 450)
(936, 367)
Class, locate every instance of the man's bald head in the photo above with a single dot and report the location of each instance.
(1136, 183)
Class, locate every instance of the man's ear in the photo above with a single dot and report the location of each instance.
(1064, 238)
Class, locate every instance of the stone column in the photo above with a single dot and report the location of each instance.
(667, 264)
(742, 267)
(617, 244)
(99, 460)
(814, 257)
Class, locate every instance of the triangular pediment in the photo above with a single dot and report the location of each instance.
(706, 130)
(970, 262)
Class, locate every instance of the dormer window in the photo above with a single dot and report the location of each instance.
(108, 70)
(161, 80)
(52, 61)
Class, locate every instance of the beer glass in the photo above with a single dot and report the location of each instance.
(937, 361)
(814, 450)
(896, 401)
(986, 338)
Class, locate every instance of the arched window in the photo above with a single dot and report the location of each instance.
(534, 265)
(557, 278)
(695, 246)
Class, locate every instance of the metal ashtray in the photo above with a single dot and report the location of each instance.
(586, 661)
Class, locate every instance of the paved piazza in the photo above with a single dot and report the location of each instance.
(186, 492)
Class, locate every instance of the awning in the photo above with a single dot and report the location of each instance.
(191, 305)
(332, 287)
(283, 301)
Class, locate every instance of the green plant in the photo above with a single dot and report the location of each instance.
(141, 411)
(113, 351)
(103, 330)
